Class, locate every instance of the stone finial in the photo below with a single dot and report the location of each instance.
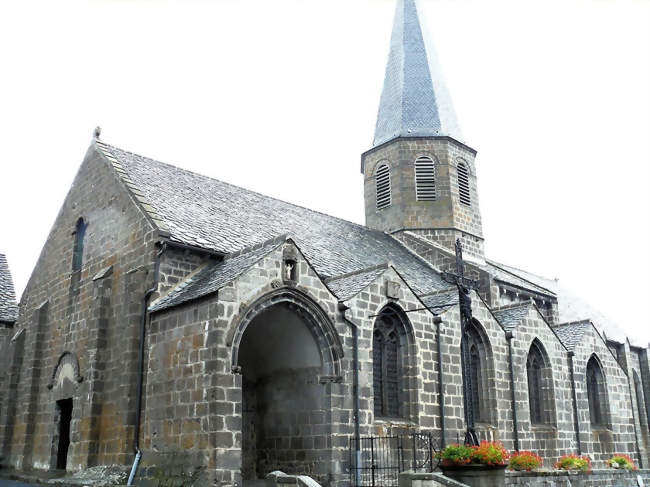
(98, 132)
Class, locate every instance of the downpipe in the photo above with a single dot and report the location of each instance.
(576, 420)
(515, 426)
(355, 391)
(143, 325)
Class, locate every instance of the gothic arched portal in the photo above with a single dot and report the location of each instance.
(286, 353)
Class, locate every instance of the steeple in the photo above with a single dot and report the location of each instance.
(414, 101)
(419, 175)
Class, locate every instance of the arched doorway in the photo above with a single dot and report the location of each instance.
(286, 413)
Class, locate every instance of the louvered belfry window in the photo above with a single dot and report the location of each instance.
(425, 179)
(383, 186)
(463, 184)
(386, 365)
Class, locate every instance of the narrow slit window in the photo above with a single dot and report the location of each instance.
(78, 250)
(463, 184)
(383, 187)
(425, 179)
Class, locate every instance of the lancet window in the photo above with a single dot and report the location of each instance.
(390, 364)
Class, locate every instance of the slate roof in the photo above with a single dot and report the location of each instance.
(207, 213)
(8, 305)
(414, 101)
(350, 285)
(505, 274)
(441, 302)
(570, 334)
(511, 316)
(213, 277)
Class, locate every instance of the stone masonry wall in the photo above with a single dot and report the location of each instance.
(194, 400)
(618, 435)
(598, 478)
(96, 324)
(556, 436)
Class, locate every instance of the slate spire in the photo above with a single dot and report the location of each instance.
(414, 101)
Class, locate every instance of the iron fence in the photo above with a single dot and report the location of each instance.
(379, 459)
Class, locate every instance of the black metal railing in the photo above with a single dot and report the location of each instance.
(382, 458)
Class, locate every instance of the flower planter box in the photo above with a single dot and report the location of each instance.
(477, 475)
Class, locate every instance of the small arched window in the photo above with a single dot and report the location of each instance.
(78, 251)
(383, 186)
(463, 183)
(596, 392)
(540, 385)
(425, 179)
(390, 364)
(638, 390)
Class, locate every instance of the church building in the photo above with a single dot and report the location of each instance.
(197, 330)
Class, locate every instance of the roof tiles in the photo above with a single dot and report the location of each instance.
(207, 213)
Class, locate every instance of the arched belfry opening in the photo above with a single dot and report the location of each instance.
(286, 362)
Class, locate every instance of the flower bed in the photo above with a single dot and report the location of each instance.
(621, 461)
(524, 461)
(489, 453)
(574, 462)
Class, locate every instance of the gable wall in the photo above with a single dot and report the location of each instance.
(193, 420)
(619, 436)
(550, 441)
(98, 324)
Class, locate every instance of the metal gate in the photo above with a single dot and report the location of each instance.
(382, 458)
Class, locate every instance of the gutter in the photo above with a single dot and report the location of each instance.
(143, 323)
(355, 391)
(576, 422)
(515, 426)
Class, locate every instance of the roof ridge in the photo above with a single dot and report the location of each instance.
(438, 293)
(498, 266)
(586, 321)
(511, 306)
(283, 237)
(109, 146)
(357, 272)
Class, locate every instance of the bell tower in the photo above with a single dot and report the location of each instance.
(419, 175)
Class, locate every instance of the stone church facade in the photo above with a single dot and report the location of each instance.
(211, 333)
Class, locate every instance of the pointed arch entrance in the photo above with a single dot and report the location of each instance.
(287, 352)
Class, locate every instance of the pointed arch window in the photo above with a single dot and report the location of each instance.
(390, 365)
(479, 367)
(596, 393)
(540, 385)
(463, 183)
(78, 251)
(425, 179)
(383, 186)
(475, 371)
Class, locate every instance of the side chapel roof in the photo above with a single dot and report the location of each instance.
(8, 305)
(207, 213)
(509, 317)
(570, 334)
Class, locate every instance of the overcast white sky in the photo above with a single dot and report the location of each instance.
(553, 95)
